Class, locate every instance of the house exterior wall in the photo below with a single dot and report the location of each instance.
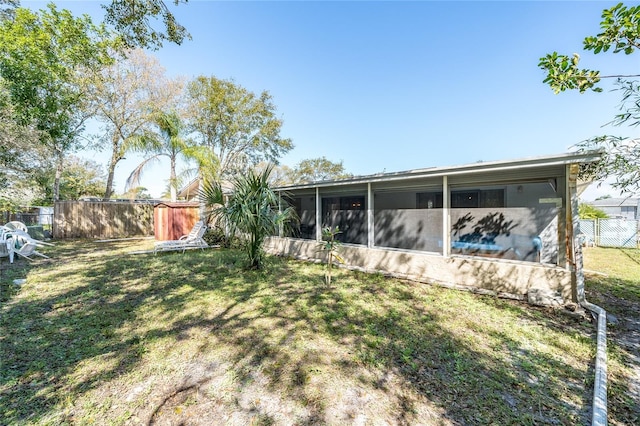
(615, 208)
(505, 227)
(516, 278)
(626, 212)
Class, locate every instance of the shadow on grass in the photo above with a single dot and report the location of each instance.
(286, 324)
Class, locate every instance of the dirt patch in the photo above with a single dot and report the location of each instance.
(211, 393)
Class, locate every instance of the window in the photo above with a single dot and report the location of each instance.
(487, 198)
(429, 200)
(347, 213)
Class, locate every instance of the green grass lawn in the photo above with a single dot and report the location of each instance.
(99, 337)
(613, 282)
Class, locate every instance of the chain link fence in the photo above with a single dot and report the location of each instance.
(610, 232)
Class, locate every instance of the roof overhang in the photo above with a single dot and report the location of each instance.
(480, 167)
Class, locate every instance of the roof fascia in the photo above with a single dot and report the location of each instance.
(547, 161)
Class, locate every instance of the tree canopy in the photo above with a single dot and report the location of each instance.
(317, 169)
(40, 56)
(168, 141)
(134, 21)
(587, 211)
(124, 98)
(620, 156)
(58, 71)
(239, 127)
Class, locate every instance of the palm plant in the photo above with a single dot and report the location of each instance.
(253, 212)
(331, 246)
(168, 143)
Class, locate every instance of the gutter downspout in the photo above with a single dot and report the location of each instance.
(599, 409)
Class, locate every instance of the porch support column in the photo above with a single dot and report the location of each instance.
(280, 225)
(318, 215)
(446, 231)
(370, 206)
(571, 216)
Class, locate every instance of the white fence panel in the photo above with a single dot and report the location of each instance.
(618, 233)
(610, 232)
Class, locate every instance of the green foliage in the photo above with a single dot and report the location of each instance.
(125, 97)
(318, 169)
(587, 211)
(42, 58)
(7, 204)
(239, 127)
(563, 73)
(168, 141)
(331, 246)
(132, 20)
(81, 178)
(619, 158)
(252, 213)
(620, 30)
(8, 9)
(215, 236)
(136, 193)
(19, 153)
(41, 54)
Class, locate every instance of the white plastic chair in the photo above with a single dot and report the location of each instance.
(7, 243)
(18, 241)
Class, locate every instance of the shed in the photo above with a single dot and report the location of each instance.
(174, 219)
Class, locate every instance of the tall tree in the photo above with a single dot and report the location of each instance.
(620, 156)
(41, 54)
(167, 142)
(240, 128)
(124, 97)
(317, 169)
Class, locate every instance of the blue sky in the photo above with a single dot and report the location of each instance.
(391, 86)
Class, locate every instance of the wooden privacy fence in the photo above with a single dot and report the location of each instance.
(102, 219)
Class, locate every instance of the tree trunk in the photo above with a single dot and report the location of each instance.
(58, 175)
(172, 180)
(112, 167)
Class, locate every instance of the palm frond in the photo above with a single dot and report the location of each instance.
(253, 211)
(136, 175)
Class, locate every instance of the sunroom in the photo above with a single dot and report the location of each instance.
(504, 227)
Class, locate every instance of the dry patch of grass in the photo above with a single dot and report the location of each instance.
(98, 337)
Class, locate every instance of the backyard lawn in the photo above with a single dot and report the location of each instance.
(96, 336)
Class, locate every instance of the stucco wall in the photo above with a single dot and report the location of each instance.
(502, 276)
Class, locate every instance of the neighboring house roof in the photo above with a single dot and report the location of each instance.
(190, 190)
(616, 202)
(177, 204)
